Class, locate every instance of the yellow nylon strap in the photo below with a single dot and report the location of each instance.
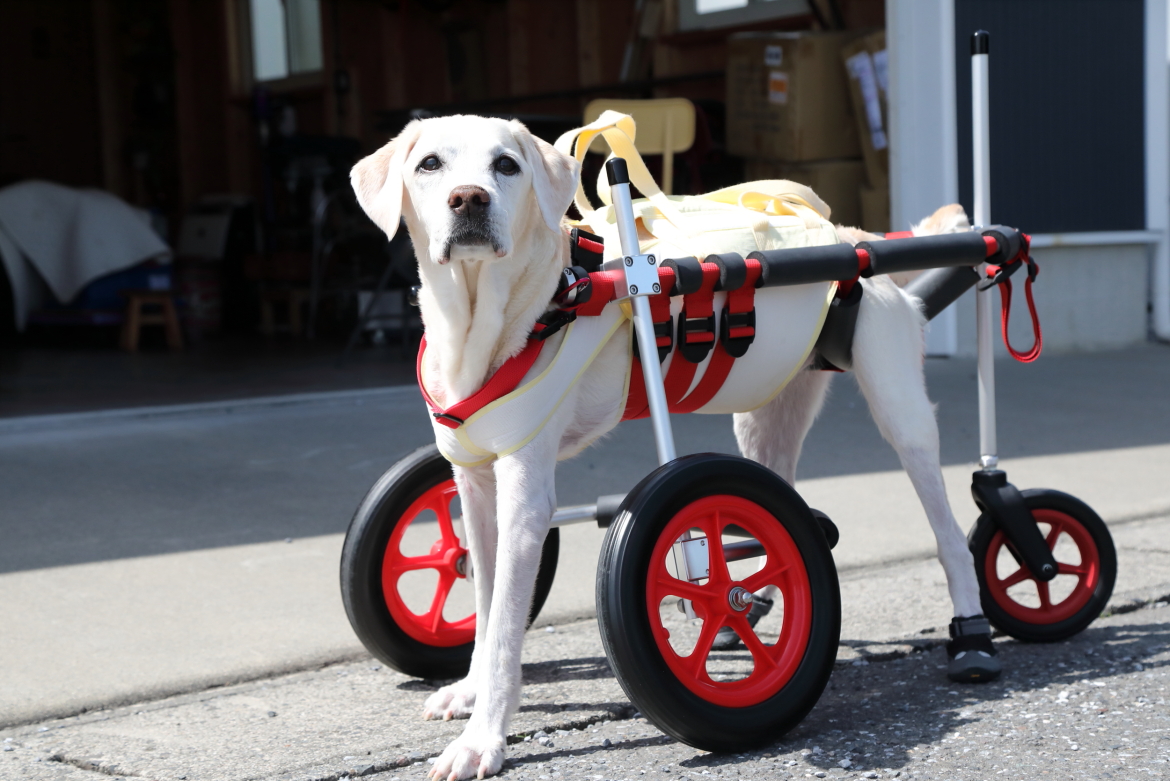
(619, 131)
(777, 197)
(772, 197)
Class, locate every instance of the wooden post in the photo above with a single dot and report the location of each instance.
(588, 43)
(106, 60)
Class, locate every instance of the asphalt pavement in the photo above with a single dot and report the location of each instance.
(168, 580)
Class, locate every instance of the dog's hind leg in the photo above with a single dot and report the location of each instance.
(888, 353)
(477, 494)
(888, 350)
(526, 500)
(773, 435)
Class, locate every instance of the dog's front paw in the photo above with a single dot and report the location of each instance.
(476, 754)
(451, 702)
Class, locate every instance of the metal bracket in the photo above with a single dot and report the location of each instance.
(640, 275)
(995, 495)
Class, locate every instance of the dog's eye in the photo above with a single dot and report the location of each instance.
(430, 163)
(507, 166)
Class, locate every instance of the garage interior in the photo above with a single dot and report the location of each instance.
(213, 138)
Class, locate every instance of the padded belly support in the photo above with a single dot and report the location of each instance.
(834, 348)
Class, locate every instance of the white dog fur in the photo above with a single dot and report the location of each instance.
(484, 286)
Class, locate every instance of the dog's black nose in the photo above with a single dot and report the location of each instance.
(469, 200)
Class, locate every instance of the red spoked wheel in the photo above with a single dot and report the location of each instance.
(1022, 605)
(714, 600)
(447, 557)
(718, 700)
(403, 563)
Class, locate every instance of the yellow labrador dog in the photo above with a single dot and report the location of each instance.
(484, 201)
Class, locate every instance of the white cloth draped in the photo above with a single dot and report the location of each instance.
(66, 238)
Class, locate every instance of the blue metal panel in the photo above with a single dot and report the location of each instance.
(1067, 112)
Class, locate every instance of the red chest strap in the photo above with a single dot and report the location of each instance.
(500, 384)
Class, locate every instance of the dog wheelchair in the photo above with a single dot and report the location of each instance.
(699, 536)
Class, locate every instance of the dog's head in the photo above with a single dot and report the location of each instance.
(468, 187)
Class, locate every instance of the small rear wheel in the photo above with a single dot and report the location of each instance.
(405, 571)
(718, 701)
(1029, 609)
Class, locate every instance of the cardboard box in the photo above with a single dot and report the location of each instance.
(837, 182)
(865, 64)
(875, 209)
(788, 97)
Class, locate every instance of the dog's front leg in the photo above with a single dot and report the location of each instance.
(477, 494)
(525, 501)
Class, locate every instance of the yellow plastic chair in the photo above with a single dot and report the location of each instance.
(665, 126)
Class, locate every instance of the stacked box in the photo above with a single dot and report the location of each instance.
(789, 113)
(838, 182)
(865, 62)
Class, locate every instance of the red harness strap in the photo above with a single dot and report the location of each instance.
(998, 276)
(637, 406)
(500, 384)
(698, 308)
(696, 327)
(739, 302)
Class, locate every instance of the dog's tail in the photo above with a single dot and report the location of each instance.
(948, 219)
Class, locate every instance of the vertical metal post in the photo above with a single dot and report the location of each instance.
(619, 185)
(641, 280)
(984, 312)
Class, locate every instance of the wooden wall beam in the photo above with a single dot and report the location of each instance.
(108, 97)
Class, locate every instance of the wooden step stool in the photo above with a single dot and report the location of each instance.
(150, 307)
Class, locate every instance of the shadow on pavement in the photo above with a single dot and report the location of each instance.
(877, 715)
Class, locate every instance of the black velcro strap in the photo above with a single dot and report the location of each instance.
(585, 250)
(663, 336)
(696, 336)
(551, 322)
(737, 346)
(688, 275)
(970, 634)
(732, 270)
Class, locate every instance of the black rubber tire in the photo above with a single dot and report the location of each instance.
(624, 622)
(361, 570)
(979, 540)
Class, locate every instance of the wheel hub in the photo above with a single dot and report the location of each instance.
(739, 598)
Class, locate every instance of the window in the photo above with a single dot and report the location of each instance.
(701, 14)
(286, 38)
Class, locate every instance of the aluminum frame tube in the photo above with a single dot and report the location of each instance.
(984, 311)
(643, 321)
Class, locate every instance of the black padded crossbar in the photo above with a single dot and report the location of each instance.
(923, 252)
(1010, 242)
(688, 275)
(941, 287)
(805, 265)
(732, 270)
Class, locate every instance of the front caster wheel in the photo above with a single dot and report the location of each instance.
(1027, 608)
(718, 701)
(404, 571)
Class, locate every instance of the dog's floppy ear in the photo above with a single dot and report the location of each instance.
(377, 179)
(554, 175)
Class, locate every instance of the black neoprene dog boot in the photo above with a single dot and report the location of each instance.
(727, 638)
(973, 658)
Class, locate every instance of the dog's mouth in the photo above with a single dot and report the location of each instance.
(471, 233)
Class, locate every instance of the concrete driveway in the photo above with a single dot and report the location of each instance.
(153, 552)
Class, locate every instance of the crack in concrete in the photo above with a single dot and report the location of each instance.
(92, 766)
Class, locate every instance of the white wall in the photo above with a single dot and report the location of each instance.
(1089, 297)
(924, 172)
